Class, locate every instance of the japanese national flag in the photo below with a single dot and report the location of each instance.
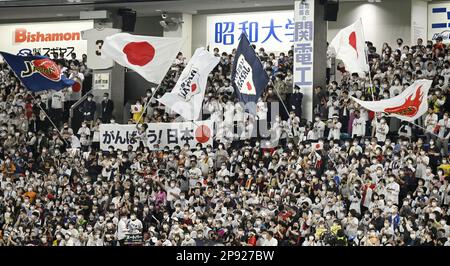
(317, 146)
(151, 57)
(349, 47)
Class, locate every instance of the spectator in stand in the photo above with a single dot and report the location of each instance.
(88, 109)
(384, 186)
(107, 108)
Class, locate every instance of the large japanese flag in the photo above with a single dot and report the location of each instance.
(186, 98)
(349, 47)
(151, 57)
(411, 104)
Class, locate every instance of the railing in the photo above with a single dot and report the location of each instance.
(75, 105)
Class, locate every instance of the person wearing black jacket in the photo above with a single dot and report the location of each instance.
(377, 220)
(295, 101)
(107, 108)
(38, 110)
(88, 109)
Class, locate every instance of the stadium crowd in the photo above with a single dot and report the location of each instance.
(350, 177)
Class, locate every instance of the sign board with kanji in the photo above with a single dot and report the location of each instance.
(158, 135)
(274, 31)
(304, 52)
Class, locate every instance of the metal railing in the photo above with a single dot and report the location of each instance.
(75, 105)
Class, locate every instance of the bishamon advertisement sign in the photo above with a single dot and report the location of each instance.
(62, 37)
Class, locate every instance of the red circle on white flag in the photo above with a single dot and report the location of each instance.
(139, 53)
(249, 86)
(202, 134)
(76, 87)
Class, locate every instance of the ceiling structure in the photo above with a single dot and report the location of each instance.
(41, 9)
(32, 9)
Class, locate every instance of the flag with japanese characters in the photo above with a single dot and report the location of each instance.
(118, 136)
(186, 97)
(411, 104)
(157, 136)
(150, 57)
(248, 76)
(161, 135)
(349, 46)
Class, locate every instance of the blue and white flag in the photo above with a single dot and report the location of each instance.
(37, 73)
(248, 76)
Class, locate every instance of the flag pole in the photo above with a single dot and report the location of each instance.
(147, 104)
(424, 129)
(51, 121)
(157, 88)
(276, 90)
(282, 102)
(366, 53)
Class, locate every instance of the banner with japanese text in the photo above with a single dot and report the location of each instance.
(118, 136)
(274, 31)
(158, 135)
(304, 53)
(46, 38)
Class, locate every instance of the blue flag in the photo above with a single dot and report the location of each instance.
(248, 76)
(37, 73)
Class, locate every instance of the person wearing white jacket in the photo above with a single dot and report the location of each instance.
(358, 126)
(392, 190)
(335, 128)
(122, 229)
(381, 131)
(318, 128)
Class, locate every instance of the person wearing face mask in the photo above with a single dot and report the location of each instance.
(107, 108)
(8, 167)
(335, 128)
(84, 133)
(223, 171)
(88, 109)
(430, 122)
(122, 229)
(226, 88)
(147, 97)
(205, 163)
(137, 110)
(444, 134)
(134, 226)
(318, 128)
(396, 88)
(294, 101)
(222, 155)
(39, 110)
(381, 131)
(57, 106)
(392, 190)
(405, 130)
(358, 126)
